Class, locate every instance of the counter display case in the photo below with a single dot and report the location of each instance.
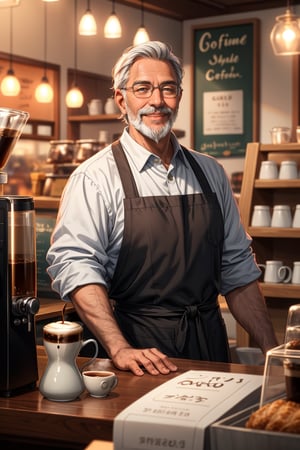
(271, 243)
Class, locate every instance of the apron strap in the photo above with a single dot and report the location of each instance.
(127, 179)
(198, 172)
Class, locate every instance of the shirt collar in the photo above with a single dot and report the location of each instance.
(139, 156)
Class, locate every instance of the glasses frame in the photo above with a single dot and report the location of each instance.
(160, 87)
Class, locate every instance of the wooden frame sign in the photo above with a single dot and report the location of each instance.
(225, 87)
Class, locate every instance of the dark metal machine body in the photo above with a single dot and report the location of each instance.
(18, 302)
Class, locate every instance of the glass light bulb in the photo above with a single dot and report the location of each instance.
(112, 28)
(87, 25)
(285, 35)
(74, 98)
(44, 92)
(141, 36)
(10, 85)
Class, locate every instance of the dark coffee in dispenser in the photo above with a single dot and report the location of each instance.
(8, 137)
(18, 302)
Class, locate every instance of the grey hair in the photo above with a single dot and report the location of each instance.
(152, 49)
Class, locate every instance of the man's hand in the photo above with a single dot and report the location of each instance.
(150, 359)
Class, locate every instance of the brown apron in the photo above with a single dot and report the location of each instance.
(166, 281)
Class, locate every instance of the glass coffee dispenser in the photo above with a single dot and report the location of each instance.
(18, 301)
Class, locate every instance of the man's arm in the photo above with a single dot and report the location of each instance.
(248, 307)
(94, 308)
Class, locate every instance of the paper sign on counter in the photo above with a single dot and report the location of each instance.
(176, 414)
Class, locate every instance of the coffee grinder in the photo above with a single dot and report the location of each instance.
(18, 301)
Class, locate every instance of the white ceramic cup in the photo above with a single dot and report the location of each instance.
(261, 216)
(288, 170)
(99, 383)
(268, 170)
(296, 273)
(95, 107)
(103, 136)
(276, 272)
(282, 216)
(296, 218)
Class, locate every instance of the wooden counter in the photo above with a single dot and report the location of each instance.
(29, 421)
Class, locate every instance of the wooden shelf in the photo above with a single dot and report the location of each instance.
(280, 290)
(274, 232)
(269, 243)
(75, 122)
(97, 118)
(277, 184)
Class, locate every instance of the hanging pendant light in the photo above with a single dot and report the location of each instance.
(44, 92)
(141, 35)
(285, 35)
(87, 24)
(74, 97)
(10, 85)
(112, 28)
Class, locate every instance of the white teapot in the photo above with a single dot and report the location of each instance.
(62, 380)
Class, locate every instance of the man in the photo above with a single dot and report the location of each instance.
(148, 234)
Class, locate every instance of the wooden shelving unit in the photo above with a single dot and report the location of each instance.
(271, 243)
(74, 123)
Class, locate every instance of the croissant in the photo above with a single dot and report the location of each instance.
(280, 415)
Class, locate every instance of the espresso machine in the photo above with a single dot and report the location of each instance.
(18, 301)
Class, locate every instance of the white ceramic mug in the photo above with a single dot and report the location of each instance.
(282, 216)
(288, 170)
(296, 272)
(261, 216)
(103, 137)
(276, 272)
(296, 218)
(99, 383)
(268, 170)
(95, 107)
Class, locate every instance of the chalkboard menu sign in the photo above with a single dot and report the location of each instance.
(225, 87)
(45, 223)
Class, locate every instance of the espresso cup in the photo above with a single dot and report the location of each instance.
(261, 216)
(282, 216)
(99, 383)
(268, 170)
(288, 170)
(276, 272)
(296, 218)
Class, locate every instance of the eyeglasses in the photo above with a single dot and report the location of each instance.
(145, 90)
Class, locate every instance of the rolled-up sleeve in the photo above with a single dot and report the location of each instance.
(78, 255)
(238, 261)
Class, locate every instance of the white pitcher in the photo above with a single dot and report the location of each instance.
(62, 380)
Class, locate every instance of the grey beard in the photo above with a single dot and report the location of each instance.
(154, 135)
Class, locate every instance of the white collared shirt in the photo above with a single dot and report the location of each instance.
(89, 230)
